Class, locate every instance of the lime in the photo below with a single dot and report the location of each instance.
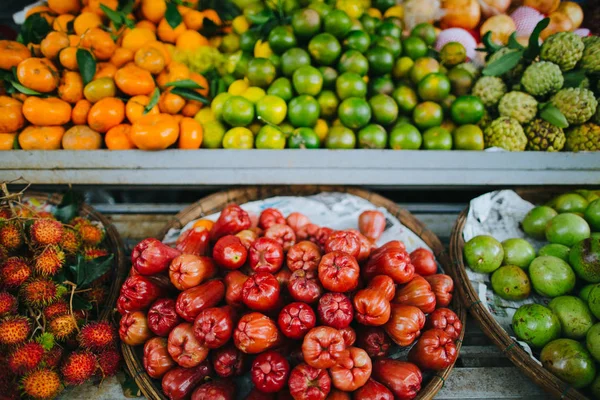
(385, 109)
(320, 7)
(328, 102)
(448, 125)
(391, 43)
(414, 47)
(353, 61)
(422, 67)
(213, 135)
(230, 43)
(426, 32)
(238, 87)
(303, 138)
(241, 64)
(217, 104)
(276, 60)
(461, 81)
(254, 94)
(354, 8)
(306, 23)
(369, 23)
(372, 136)
(381, 60)
(261, 72)
(405, 137)
(337, 23)
(340, 137)
(406, 98)
(350, 84)
(434, 87)
(383, 5)
(427, 115)
(228, 79)
(357, 40)
(238, 111)
(437, 138)
(447, 103)
(205, 115)
(248, 40)
(468, 137)
(402, 119)
(303, 111)
(270, 137)
(389, 28)
(238, 138)
(307, 80)
(293, 59)
(395, 20)
(453, 53)
(281, 87)
(467, 110)
(282, 38)
(240, 24)
(271, 109)
(324, 48)
(252, 9)
(286, 128)
(329, 77)
(381, 85)
(255, 127)
(354, 112)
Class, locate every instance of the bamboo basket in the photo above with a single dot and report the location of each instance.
(216, 202)
(542, 377)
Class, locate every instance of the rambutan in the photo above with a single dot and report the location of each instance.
(71, 242)
(109, 362)
(44, 232)
(25, 358)
(5, 213)
(14, 330)
(8, 304)
(38, 292)
(92, 252)
(63, 327)
(97, 335)
(41, 384)
(14, 271)
(11, 236)
(56, 310)
(79, 367)
(45, 214)
(49, 260)
(91, 234)
(78, 221)
(52, 357)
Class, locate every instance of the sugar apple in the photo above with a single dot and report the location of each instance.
(518, 105)
(505, 132)
(470, 68)
(584, 137)
(590, 60)
(543, 136)
(542, 78)
(563, 49)
(488, 116)
(490, 90)
(577, 104)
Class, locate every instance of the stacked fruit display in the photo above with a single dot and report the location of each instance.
(53, 278)
(561, 325)
(297, 309)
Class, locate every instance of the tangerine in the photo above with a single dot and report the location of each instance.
(64, 6)
(68, 58)
(133, 80)
(136, 108)
(117, 138)
(41, 137)
(38, 74)
(121, 56)
(61, 23)
(105, 114)
(168, 34)
(46, 112)
(190, 134)
(81, 137)
(80, 112)
(11, 115)
(105, 70)
(150, 59)
(85, 21)
(7, 141)
(99, 42)
(154, 132)
(12, 53)
(71, 87)
(153, 10)
(170, 103)
(136, 38)
(190, 40)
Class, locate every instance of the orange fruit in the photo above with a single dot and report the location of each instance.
(100, 88)
(47, 112)
(99, 42)
(71, 87)
(168, 34)
(133, 80)
(154, 132)
(150, 59)
(12, 53)
(135, 108)
(153, 10)
(190, 134)
(170, 103)
(190, 40)
(162, 47)
(80, 112)
(37, 10)
(74, 40)
(146, 24)
(117, 138)
(68, 58)
(193, 19)
(212, 15)
(61, 23)
(64, 6)
(136, 38)
(121, 56)
(11, 115)
(81, 137)
(38, 74)
(53, 43)
(85, 21)
(94, 5)
(183, 10)
(191, 108)
(7, 141)
(105, 70)
(41, 137)
(105, 114)
(175, 71)
(202, 81)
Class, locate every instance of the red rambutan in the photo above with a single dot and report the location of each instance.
(109, 362)
(45, 215)
(91, 252)
(14, 330)
(49, 260)
(90, 234)
(78, 367)
(52, 357)
(25, 358)
(44, 232)
(5, 213)
(97, 335)
(14, 271)
(63, 327)
(38, 292)
(11, 236)
(8, 304)
(71, 242)
(56, 310)
(41, 384)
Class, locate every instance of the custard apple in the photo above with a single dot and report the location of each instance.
(563, 49)
(584, 137)
(488, 116)
(489, 89)
(543, 136)
(590, 60)
(542, 78)
(518, 105)
(505, 132)
(577, 104)
(470, 68)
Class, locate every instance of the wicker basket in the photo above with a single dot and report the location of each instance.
(216, 202)
(542, 377)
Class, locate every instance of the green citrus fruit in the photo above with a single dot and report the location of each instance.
(337, 23)
(213, 135)
(388, 28)
(238, 111)
(372, 136)
(276, 60)
(414, 47)
(293, 59)
(261, 72)
(353, 61)
(329, 77)
(406, 98)
(453, 53)
(238, 138)
(467, 110)
(395, 20)
(271, 109)
(328, 102)
(230, 43)
(254, 94)
(402, 67)
(437, 138)
(383, 5)
(381, 61)
(385, 109)
(320, 7)
(286, 128)
(248, 40)
(426, 32)
(423, 66)
(281, 87)
(427, 115)
(241, 64)
(434, 87)
(324, 48)
(303, 111)
(340, 137)
(306, 23)
(468, 137)
(282, 38)
(350, 84)
(461, 81)
(369, 23)
(270, 137)
(307, 80)
(405, 136)
(357, 40)
(354, 112)
(217, 104)
(381, 85)
(391, 43)
(303, 138)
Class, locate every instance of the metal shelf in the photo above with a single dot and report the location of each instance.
(353, 167)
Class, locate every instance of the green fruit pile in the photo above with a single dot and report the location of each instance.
(565, 334)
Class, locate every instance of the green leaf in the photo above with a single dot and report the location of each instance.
(184, 83)
(190, 95)
(533, 49)
(573, 78)
(127, 8)
(115, 16)
(85, 272)
(489, 44)
(153, 101)
(503, 64)
(69, 206)
(24, 90)
(130, 388)
(261, 17)
(513, 43)
(79, 303)
(209, 28)
(34, 29)
(553, 115)
(172, 15)
(16, 145)
(87, 65)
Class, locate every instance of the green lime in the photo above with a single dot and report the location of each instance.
(423, 66)
(381, 61)
(254, 94)
(395, 20)
(324, 48)
(238, 111)
(303, 138)
(271, 109)
(468, 137)
(303, 111)
(228, 79)
(286, 128)
(414, 47)
(320, 7)
(467, 110)
(253, 9)
(340, 137)
(383, 5)
(402, 119)
(453, 53)
(426, 32)
(372, 136)
(437, 138)
(293, 59)
(282, 38)
(248, 40)
(391, 43)
(350, 84)
(369, 23)
(281, 87)
(406, 98)
(270, 137)
(241, 64)
(306, 23)
(213, 135)
(381, 85)
(405, 136)
(307, 80)
(276, 60)
(434, 87)
(385, 109)
(356, 25)
(357, 40)
(389, 28)
(402, 67)
(461, 81)
(230, 43)
(238, 138)
(427, 115)
(328, 102)
(329, 77)
(337, 23)
(217, 104)
(353, 61)
(354, 112)
(261, 72)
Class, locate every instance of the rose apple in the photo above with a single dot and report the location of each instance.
(446, 320)
(372, 307)
(297, 220)
(307, 232)
(443, 286)
(323, 347)
(373, 390)
(402, 378)
(405, 324)
(194, 241)
(162, 317)
(270, 217)
(184, 348)
(157, 360)
(283, 277)
(269, 372)
(417, 293)
(309, 383)
(349, 335)
(247, 236)
(371, 223)
(138, 293)
(304, 286)
(424, 262)
(231, 221)
(261, 292)
(151, 256)
(336, 394)
(178, 383)
(133, 328)
(283, 234)
(188, 270)
(228, 361)
(321, 236)
(213, 327)
(338, 272)
(192, 301)
(391, 261)
(215, 390)
(344, 241)
(304, 255)
(234, 282)
(335, 310)
(353, 372)
(229, 252)
(296, 319)
(435, 350)
(374, 341)
(265, 255)
(366, 246)
(255, 333)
